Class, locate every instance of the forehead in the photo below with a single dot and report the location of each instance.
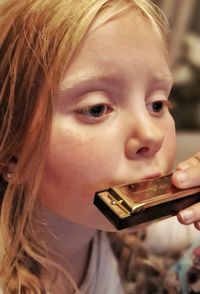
(126, 26)
(147, 18)
(118, 45)
(109, 13)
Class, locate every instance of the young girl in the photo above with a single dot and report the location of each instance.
(83, 106)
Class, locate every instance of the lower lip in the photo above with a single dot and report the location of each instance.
(153, 176)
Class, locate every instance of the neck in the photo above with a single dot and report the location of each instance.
(70, 242)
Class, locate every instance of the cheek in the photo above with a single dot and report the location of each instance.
(77, 166)
(84, 160)
(169, 144)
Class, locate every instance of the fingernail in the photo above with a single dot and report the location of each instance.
(184, 165)
(182, 176)
(187, 215)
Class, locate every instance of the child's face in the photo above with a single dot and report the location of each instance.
(109, 126)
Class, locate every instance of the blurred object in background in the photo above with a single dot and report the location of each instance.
(184, 19)
(180, 14)
(186, 89)
(188, 143)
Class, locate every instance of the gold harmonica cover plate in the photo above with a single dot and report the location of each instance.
(125, 200)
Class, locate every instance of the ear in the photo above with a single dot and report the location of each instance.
(9, 168)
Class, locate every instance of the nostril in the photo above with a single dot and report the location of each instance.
(143, 150)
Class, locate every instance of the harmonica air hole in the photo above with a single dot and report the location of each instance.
(113, 202)
(131, 187)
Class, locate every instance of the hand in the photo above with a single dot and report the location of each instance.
(187, 175)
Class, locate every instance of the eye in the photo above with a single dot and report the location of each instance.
(158, 106)
(95, 111)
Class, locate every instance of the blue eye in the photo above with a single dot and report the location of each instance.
(97, 110)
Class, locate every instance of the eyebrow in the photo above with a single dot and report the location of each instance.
(111, 83)
(104, 80)
(163, 79)
(100, 81)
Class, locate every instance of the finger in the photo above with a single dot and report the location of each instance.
(189, 215)
(187, 178)
(194, 160)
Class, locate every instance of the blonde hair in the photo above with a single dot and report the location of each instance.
(37, 43)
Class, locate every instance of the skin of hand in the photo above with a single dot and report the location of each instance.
(187, 175)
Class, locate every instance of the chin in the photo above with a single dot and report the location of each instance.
(103, 224)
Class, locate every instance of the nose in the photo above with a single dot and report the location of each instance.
(145, 140)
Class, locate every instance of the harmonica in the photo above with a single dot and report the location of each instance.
(137, 203)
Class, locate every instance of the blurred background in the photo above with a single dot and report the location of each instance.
(184, 19)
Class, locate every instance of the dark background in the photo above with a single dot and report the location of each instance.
(184, 19)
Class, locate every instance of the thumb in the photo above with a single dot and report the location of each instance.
(187, 178)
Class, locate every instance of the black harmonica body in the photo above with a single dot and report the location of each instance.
(136, 203)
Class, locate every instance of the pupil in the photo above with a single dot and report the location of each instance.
(97, 110)
(157, 106)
